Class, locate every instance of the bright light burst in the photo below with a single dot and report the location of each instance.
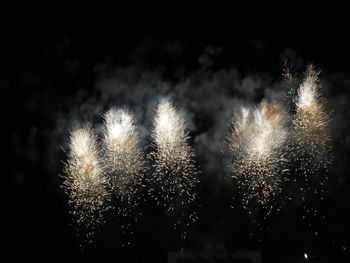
(262, 149)
(311, 138)
(85, 184)
(174, 179)
(123, 159)
(257, 143)
(310, 123)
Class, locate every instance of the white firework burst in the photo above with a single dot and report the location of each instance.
(257, 143)
(311, 138)
(123, 159)
(310, 123)
(174, 179)
(85, 184)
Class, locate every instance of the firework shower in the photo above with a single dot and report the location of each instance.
(263, 143)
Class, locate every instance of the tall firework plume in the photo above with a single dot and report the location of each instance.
(174, 179)
(257, 143)
(85, 184)
(311, 138)
(123, 159)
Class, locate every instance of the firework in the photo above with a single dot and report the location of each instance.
(257, 143)
(123, 159)
(311, 139)
(174, 179)
(85, 184)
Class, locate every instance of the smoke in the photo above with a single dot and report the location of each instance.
(208, 98)
(207, 93)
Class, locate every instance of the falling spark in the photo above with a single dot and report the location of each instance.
(85, 184)
(311, 144)
(257, 143)
(123, 159)
(174, 179)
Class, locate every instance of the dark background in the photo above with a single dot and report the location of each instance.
(48, 69)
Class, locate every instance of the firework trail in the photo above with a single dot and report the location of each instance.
(310, 123)
(311, 138)
(85, 184)
(257, 143)
(174, 179)
(123, 159)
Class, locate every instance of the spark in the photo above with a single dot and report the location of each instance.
(257, 143)
(123, 159)
(311, 138)
(174, 179)
(85, 184)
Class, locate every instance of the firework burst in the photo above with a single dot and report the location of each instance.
(257, 143)
(123, 159)
(311, 139)
(174, 179)
(85, 184)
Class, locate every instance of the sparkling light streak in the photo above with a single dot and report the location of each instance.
(257, 143)
(310, 123)
(174, 179)
(311, 139)
(123, 159)
(85, 184)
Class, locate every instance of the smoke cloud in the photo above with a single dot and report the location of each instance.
(208, 93)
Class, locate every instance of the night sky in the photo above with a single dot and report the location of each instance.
(52, 77)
